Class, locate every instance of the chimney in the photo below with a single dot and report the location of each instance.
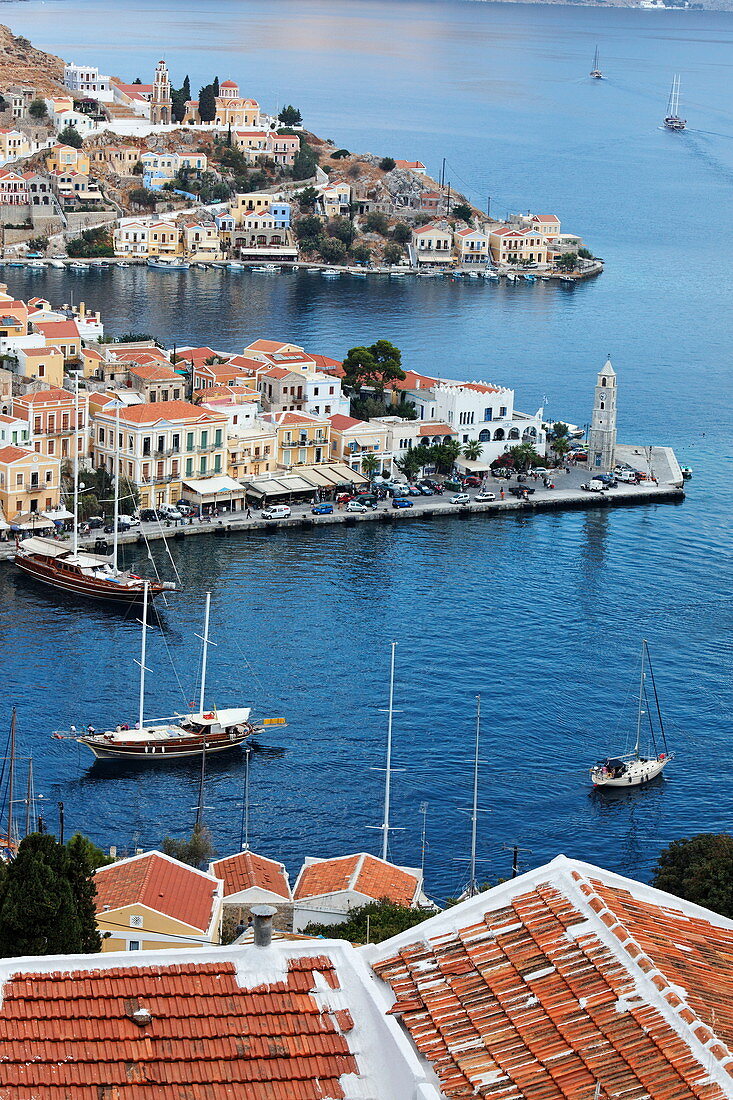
(263, 915)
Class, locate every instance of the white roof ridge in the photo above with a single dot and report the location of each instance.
(669, 999)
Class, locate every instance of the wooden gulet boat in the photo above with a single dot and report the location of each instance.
(80, 572)
(633, 769)
(185, 735)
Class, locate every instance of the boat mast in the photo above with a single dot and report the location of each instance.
(11, 778)
(115, 536)
(641, 701)
(244, 831)
(75, 542)
(29, 797)
(472, 883)
(388, 774)
(202, 690)
(140, 721)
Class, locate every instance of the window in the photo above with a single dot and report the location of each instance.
(160, 443)
(217, 438)
(189, 467)
(134, 945)
(217, 464)
(146, 445)
(203, 464)
(176, 443)
(36, 423)
(204, 439)
(189, 441)
(487, 414)
(502, 411)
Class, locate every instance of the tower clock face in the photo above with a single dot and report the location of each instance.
(602, 395)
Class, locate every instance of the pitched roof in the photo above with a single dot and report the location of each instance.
(479, 387)
(158, 882)
(150, 412)
(414, 381)
(564, 979)
(219, 1028)
(58, 329)
(52, 396)
(12, 454)
(435, 427)
(361, 873)
(154, 372)
(342, 423)
(270, 345)
(245, 870)
(283, 419)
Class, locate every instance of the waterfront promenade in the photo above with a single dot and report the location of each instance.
(657, 462)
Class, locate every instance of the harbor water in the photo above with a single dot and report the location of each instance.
(542, 615)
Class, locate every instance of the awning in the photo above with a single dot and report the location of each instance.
(326, 475)
(59, 514)
(4, 525)
(29, 521)
(211, 487)
(472, 466)
(279, 486)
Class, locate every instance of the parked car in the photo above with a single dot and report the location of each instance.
(519, 490)
(355, 506)
(453, 486)
(148, 515)
(367, 499)
(343, 498)
(580, 456)
(627, 476)
(401, 502)
(121, 527)
(484, 498)
(322, 510)
(595, 485)
(461, 498)
(608, 479)
(131, 521)
(541, 471)
(276, 511)
(502, 472)
(185, 509)
(429, 483)
(474, 482)
(95, 523)
(414, 491)
(169, 511)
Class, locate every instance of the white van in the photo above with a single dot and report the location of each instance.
(169, 511)
(629, 476)
(276, 511)
(595, 485)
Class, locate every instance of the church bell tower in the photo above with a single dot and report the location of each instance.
(161, 104)
(602, 437)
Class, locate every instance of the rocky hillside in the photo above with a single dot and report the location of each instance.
(21, 63)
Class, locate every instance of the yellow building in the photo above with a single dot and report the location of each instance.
(163, 239)
(152, 901)
(65, 158)
(302, 440)
(51, 417)
(511, 245)
(433, 243)
(231, 109)
(201, 241)
(256, 202)
(45, 364)
(13, 144)
(352, 440)
(29, 482)
(163, 442)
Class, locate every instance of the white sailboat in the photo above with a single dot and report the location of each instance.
(672, 120)
(596, 70)
(633, 769)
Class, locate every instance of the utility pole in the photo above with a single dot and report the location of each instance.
(488, 207)
(61, 823)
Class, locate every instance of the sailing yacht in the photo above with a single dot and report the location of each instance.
(672, 120)
(183, 735)
(595, 71)
(632, 769)
(79, 571)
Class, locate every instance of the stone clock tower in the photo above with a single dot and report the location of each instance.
(602, 437)
(161, 105)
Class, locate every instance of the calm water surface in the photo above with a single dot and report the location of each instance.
(543, 616)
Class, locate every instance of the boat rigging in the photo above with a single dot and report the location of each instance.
(672, 120)
(596, 70)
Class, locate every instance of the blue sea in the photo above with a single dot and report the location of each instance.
(543, 616)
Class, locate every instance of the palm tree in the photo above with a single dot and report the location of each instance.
(561, 447)
(473, 450)
(370, 465)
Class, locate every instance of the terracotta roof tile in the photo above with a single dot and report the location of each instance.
(540, 995)
(362, 873)
(208, 1038)
(160, 883)
(245, 870)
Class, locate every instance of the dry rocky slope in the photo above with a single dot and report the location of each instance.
(21, 63)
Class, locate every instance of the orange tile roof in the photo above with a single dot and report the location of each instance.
(51, 396)
(245, 870)
(479, 387)
(155, 372)
(150, 412)
(269, 345)
(362, 873)
(414, 381)
(12, 454)
(160, 883)
(58, 329)
(342, 423)
(436, 428)
(567, 979)
(208, 1039)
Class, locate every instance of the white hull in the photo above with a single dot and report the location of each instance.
(637, 773)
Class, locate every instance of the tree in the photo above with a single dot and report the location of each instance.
(585, 253)
(567, 261)
(141, 196)
(305, 162)
(387, 164)
(71, 136)
(473, 450)
(402, 233)
(699, 869)
(179, 99)
(377, 366)
(290, 116)
(339, 154)
(84, 848)
(371, 465)
(393, 253)
(84, 858)
(559, 430)
(376, 222)
(361, 253)
(38, 244)
(38, 109)
(47, 904)
(561, 447)
(309, 226)
(343, 229)
(92, 242)
(383, 918)
(307, 198)
(462, 211)
(207, 103)
(197, 851)
(411, 463)
(525, 456)
(444, 455)
(332, 250)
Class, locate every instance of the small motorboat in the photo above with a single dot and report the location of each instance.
(330, 273)
(490, 275)
(511, 277)
(634, 769)
(58, 264)
(233, 266)
(397, 273)
(76, 266)
(122, 263)
(530, 278)
(267, 269)
(36, 265)
(168, 265)
(686, 472)
(15, 263)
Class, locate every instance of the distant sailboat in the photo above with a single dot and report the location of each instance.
(595, 71)
(672, 119)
